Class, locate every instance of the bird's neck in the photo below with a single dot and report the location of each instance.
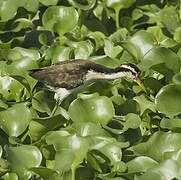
(111, 75)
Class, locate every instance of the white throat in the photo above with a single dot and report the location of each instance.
(92, 75)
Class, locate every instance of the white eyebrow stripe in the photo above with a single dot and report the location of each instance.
(130, 68)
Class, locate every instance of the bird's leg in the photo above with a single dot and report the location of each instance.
(60, 95)
(54, 109)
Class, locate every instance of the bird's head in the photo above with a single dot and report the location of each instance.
(133, 72)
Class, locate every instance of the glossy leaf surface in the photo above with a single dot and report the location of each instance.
(12, 124)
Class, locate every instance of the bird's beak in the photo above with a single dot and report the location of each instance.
(140, 84)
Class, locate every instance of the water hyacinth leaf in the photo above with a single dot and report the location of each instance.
(48, 3)
(169, 169)
(167, 100)
(117, 5)
(152, 85)
(144, 104)
(18, 70)
(3, 105)
(93, 162)
(70, 149)
(175, 155)
(58, 53)
(21, 66)
(120, 3)
(168, 16)
(140, 164)
(10, 88)
(93, 109)
(57, 19)
(12, 124)
(89, 129)
(160, 55)
(158, 34)
(41, 102)
(133, 121)
(87, 5)
(158, 144)
(177, 34)
(39, 127)
(177, 79)
(19, 52)
(95, 25)
(139, 44)
(22, 23)
(110, 50)
(8, 9)
(23, 157)
(172, 124)
(98, 38)
(110, 149)
(24, 82)
(105, 61)
(83, 49)
(44, 172)
(10, 176)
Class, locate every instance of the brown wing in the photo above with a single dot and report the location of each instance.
(67, 74)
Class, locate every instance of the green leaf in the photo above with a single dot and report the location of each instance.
(144, 104)
(10, 88)
(23, 81)
(152, 85)
(98, 38)
(39, 127)
(139, 44)
(22, 158)
(91, 109)
(82, 49)
(105, 61)
(140, 164)
(110, 50)
(58, 53)
(89, 129)
(177, 79)
(57, 19)
(70, 149)
(87, 5)
(169, 169)
(110, 148)
(10, 176)
(14, 124)
(172, 124)
(48, 3)
(162, 60)
(169, 18)
(8, 9)
(3, 105)
(44, 172)
(177, 34)
(175, 155)
(158, 144)
(19, 52)
(133, 121)
(167, 100)
(41, 102)
(117, 5)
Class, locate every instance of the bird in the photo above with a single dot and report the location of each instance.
(72, 75)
